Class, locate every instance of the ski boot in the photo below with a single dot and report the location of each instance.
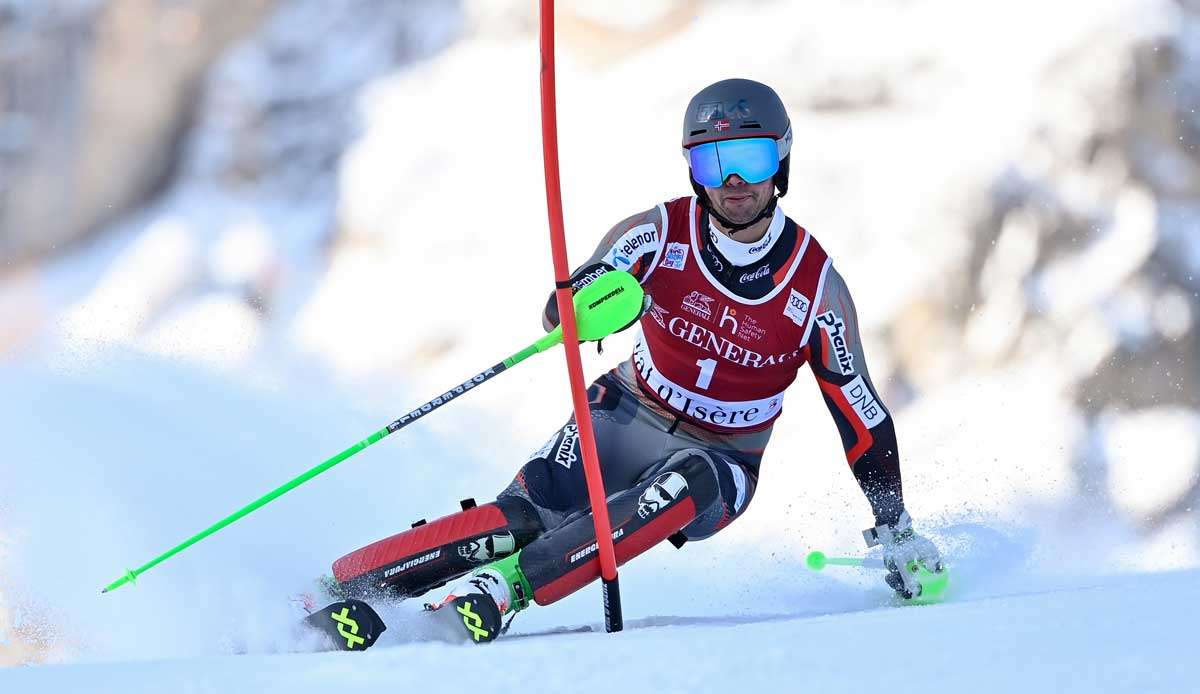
(476, 604)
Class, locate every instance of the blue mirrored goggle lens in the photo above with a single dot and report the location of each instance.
(755, 159)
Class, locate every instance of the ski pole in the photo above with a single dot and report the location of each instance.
(933, 585)
(606, 305)
(817, 561)
(610, 586)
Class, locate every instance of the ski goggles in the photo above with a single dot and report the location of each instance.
(755, 159)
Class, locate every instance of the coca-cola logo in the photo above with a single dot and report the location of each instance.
(762, 246)
(757, 274)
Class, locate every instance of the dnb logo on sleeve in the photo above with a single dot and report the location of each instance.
(866, 407)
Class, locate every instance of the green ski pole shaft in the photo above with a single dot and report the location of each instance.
(932, 585)
(608, 304)
(418, 412)
(817, 561)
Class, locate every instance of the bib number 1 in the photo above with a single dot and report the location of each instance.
(707, 367)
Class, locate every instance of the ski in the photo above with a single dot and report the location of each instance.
(350, 625)
(353, 625)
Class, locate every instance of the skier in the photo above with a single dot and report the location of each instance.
(742, 298)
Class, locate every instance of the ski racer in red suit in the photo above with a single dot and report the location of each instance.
(743, 297)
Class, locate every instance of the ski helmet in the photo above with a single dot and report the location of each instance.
(734, 109)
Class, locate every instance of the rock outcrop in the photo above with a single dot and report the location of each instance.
(95, 98)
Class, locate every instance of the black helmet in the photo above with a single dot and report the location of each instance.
(733, 109)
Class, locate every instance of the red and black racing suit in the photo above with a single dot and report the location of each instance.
(681, 426)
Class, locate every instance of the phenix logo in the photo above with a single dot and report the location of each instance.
(412, 563)
(565, 455)
(835, 330)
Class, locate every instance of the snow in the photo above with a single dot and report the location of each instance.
(1114, 636)
(159, 396)
(121, 458)
(1154, 456)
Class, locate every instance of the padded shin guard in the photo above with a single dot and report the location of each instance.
(429, 554)
(565, 559)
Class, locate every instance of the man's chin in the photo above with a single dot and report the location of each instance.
(740, 216)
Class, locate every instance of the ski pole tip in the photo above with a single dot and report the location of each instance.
(815, 560)
(129, 577)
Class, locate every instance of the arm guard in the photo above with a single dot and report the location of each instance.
(629, 246)
(866, 427)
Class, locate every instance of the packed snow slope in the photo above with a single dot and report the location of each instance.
(323, 310)
(113, 457)
(1087, 639)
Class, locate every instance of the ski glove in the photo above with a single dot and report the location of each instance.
(582, 278)
(904, 548)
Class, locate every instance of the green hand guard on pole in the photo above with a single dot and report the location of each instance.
(933, 585)
(611, 302)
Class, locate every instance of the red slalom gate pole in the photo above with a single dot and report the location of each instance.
(566, 312)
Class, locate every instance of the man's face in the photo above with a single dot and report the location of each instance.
(738, 201)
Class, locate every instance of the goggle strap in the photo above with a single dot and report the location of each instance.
(783, 143)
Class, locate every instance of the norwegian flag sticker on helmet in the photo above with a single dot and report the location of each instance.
(721, 125)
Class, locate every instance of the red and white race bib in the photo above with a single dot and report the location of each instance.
(712, 357)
